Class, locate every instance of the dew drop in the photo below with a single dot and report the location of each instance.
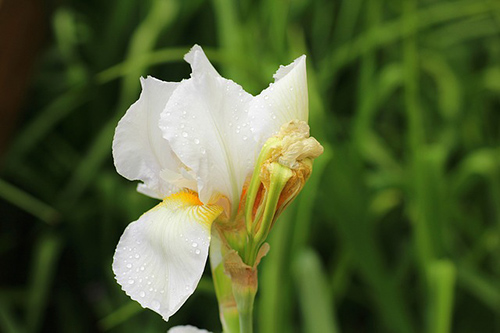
(266, 97)
(197, 251)
(142, 294)
(244, 138)
(196, 141)
(142, 268)
(137, 256)
(129, 265)
(291, 88)
(184, 134)
(194, 244)
(202, 151)
(131, 281)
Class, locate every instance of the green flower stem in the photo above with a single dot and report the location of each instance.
(229, 315)
(245, 296)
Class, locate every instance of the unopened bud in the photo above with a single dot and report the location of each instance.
(284, 165)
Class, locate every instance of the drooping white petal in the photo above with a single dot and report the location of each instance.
(139, 150)
(282, 101)
(207, 124)
(160, 258)
(186, 329)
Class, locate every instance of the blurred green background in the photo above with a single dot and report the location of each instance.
(398, 229)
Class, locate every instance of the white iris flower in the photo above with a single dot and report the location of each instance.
(193, 144)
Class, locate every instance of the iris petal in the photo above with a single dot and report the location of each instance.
(139, 150)
(160, 257)
(284, 100)
(207, 124)
(186, 329)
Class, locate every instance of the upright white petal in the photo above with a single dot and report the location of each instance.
(207, 124)
(139, 150)
(186, 329)
(199, 62)
(282, 101)
(160, 258)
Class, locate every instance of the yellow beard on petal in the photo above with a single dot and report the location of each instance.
(189, 201)
(185, 198)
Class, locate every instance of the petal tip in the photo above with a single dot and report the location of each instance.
(284, 70)
(191, 55)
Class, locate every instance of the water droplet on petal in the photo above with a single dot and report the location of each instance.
(196, 141)
(129, 265)
(137, 256)
(197, 251)
(245, 137)
(194, 244)
(184, 134)
(266, 97)
(131, 281)
(142, 294)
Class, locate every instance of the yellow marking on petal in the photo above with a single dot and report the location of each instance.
(185, 198)
(189, 203)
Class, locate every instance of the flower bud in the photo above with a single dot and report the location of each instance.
(283, 167)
